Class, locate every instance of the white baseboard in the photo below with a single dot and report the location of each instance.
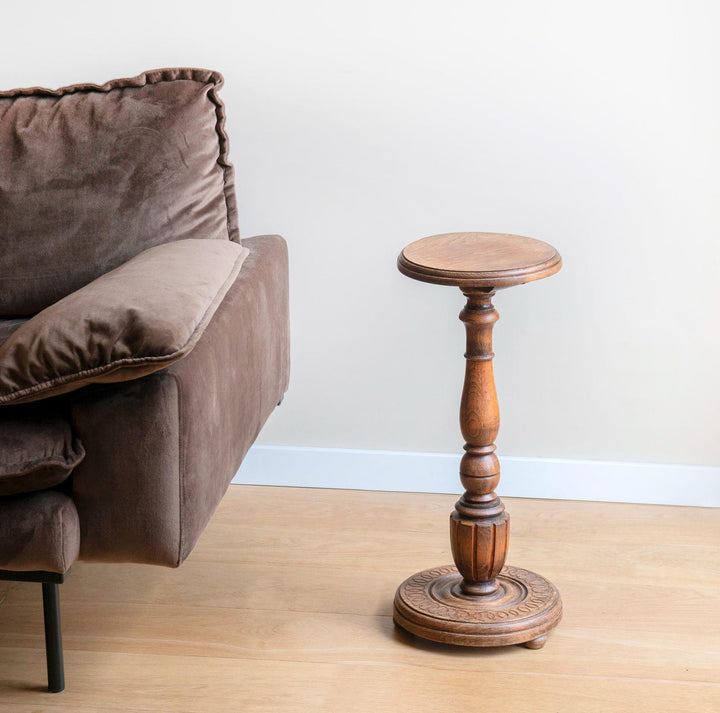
(554, 478)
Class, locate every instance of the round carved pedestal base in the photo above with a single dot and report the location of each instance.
(524, 609)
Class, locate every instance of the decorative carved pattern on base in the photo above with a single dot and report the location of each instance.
(431, 604)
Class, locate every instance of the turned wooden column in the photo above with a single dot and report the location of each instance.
(479, 525)
(479, 601)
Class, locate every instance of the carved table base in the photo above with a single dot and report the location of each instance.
(523, 610)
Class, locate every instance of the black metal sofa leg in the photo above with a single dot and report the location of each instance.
(51, 612)
(53, 637)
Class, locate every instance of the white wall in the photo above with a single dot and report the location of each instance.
(358, 127)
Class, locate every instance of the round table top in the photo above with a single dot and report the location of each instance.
(478, 259)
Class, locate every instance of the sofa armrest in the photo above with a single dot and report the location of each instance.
(132, 321)
(161, 451)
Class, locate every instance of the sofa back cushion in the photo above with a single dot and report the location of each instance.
(92, 175)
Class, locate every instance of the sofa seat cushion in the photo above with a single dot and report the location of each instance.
(132, 321)
(37, 449)
(38, 532)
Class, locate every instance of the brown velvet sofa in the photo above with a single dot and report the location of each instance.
(142, 343)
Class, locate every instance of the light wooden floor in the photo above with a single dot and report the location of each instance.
(286, 605)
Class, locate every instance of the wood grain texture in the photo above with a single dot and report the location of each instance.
(490, 260)
(286, 606)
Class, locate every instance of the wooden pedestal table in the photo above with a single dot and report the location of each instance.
(479, 602)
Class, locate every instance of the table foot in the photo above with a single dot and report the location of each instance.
(523, 610)
(536, 643)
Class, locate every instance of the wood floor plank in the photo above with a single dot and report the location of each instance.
(305, 637)
(181, 683)
(286, 605)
